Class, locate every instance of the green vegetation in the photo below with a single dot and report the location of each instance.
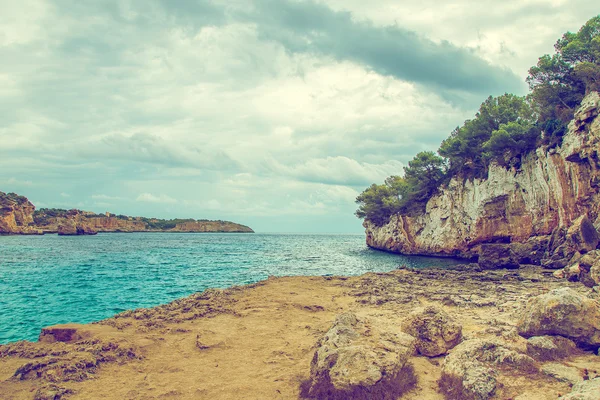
(162, 224)
(558, 82)
(44, 216)
(504, 130)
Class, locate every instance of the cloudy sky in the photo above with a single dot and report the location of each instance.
(272, 113)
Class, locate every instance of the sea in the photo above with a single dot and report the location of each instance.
(50, 279)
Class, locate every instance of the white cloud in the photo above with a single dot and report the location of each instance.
(150, 198)
(17, 182)
(105, 197)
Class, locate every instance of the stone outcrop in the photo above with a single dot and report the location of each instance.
(356, 359)
(71, 228)
(552, 190)
(550, 348)
(585, 390)
(16, 215)
(436, 332)
(563, 312)
(470, 370)
(562, 373)
(495, 255)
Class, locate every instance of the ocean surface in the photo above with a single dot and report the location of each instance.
(48, 280)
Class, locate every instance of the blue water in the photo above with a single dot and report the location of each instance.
(47, 280)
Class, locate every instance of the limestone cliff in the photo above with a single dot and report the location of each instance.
(550, 189)
(18, 216)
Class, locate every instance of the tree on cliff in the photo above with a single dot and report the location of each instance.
(505, 128)
(503, 124)
(378, 202)
(558, 82)
(422, 177)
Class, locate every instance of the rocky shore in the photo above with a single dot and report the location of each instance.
(18, 216)
(465, 333)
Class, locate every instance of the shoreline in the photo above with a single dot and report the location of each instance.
(259, 339)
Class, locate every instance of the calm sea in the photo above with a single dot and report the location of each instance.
(47, 280)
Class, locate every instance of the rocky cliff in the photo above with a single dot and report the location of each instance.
(18, 216)
(549, 191)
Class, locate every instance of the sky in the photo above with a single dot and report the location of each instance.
(271, 113)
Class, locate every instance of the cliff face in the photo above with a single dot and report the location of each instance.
(16, 214)
(550, 190)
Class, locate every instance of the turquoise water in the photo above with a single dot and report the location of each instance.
(47, 280)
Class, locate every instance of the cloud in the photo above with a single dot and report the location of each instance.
(105, 197)
(248, 110)
(337, 170)
(308, 26)
(16, 182)
(150, 198)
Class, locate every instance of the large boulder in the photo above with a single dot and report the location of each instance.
(583, 235)
(550, 348)
(562, 312)
(358, 358)
(70, 228)
(436, 332)
(566, 244)
(532, 251)
(469, 371)
(67, 229)
(496, 256)
(584, 390)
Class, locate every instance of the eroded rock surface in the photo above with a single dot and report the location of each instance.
(550, 348)
(563, 312)
(586, 390)
(470, 370)
(435, 331)
(358, 358)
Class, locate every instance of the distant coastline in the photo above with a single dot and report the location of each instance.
(18, 216)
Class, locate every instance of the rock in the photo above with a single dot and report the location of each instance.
(567, 245)
(587, 110)
(572, 273)
(496, 256)
(532, 251)
(587, 260)
(51, 392)
(469, 371)
(69, 228)
(583, 235)
(16, 215)
(594, 273)
(562, 312)
(66, 333)
(550, 348)
(562, 373)
(436, 332)
(560, 274)
(586, 269)
(584, 390)
(358, 358)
